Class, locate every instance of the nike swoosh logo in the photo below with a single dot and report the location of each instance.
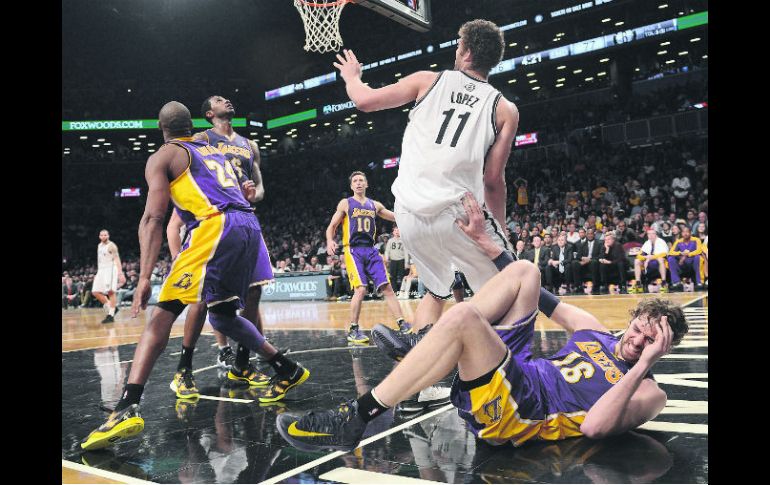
(294, 431)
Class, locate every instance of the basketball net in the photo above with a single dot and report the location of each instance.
(322, 24)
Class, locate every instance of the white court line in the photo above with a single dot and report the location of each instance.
(205, 368)
(229, 399)
(693, 344)
(676, 427)
(114, 363)
(685, 356)
(290, 353)
(101, 473)
(363, 443)
(694, 300)
(308, 351)
(354, 475)
(684, 380)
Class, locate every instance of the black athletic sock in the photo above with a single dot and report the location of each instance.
(242, 357)
(185, 359)
(399, 321)
(283, 366)
(369, 407)
(132, 393)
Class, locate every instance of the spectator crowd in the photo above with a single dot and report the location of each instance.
(592, 215)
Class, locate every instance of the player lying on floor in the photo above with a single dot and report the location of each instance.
(597, 385)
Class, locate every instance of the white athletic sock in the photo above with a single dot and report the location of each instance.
(111, 311)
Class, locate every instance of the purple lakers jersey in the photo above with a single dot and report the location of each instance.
(358, 228)
(693, 245)
(209, 185)
(581, 372)
(237, 151)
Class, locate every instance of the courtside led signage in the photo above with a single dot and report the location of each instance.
(133, 124)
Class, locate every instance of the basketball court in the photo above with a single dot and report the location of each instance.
(227, 437)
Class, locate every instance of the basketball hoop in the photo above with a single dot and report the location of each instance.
(322, 24)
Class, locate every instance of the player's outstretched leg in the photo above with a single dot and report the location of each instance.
(453, 339)
(125, 421)
(462, 337)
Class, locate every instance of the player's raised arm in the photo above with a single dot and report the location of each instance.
(339, 214)
(386, 214)
(369, 99)
(507, 122)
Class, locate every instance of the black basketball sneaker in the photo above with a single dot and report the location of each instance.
(394, 343)
(334, 429)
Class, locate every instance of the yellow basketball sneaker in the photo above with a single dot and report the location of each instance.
(120, 425)
(249, 375)
(279, 386)
(184, 385)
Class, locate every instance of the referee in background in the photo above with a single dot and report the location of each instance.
(395, 255)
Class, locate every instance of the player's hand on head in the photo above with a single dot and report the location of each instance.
(662, 344)
(348, 65)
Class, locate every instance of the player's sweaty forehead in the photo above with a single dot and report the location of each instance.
(646, 325)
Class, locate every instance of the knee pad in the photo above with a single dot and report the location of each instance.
(226, 309)
(174, 306)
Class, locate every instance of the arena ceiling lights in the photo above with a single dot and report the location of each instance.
(576, 48)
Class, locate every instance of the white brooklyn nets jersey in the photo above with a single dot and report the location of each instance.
(450, 131)
(105, 258)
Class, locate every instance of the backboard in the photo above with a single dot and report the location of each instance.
(414, 14)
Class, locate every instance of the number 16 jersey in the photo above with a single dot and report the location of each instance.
(450, 131)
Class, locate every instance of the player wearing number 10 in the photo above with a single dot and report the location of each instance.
(357, 215)
(458, 139)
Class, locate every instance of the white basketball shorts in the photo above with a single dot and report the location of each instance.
(436, 243)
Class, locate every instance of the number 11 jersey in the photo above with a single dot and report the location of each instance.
(450, 131)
